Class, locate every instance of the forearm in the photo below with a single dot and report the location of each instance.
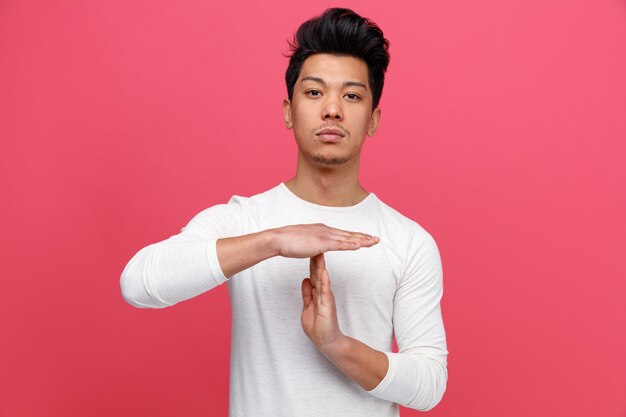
(167, 272)
(416, 382)
(174, 270)
(361, 363)
(236, 254)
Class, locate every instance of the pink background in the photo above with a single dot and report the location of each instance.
(503, 134)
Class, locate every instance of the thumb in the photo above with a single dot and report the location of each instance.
(307, 292)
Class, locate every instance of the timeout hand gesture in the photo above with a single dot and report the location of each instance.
(297, 241)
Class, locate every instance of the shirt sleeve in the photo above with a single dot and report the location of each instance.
(417, 374)
(185, 265)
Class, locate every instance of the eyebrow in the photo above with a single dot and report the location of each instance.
(345, 83)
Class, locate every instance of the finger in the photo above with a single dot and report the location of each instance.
(325, 290)
(318, 267)
(362, 239)
(320, 263)
(307, 292)
(349, 234)
(312, 268)
(338, 244)
(315, 298)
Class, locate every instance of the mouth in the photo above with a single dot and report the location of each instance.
(330, 135)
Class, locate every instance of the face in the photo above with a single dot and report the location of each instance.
(331, 109)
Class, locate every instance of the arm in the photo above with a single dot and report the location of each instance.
(200, 258)
(415, 376)
(418, 373)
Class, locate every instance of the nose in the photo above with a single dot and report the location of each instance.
(332, 110)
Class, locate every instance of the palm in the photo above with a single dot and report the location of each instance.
(319, 314)
(315, 320)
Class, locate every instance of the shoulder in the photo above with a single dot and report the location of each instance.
(231, 217)
(409, 243)
(408, 231)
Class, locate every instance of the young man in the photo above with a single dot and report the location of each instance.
(306, 347)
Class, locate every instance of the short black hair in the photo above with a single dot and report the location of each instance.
(341, 32)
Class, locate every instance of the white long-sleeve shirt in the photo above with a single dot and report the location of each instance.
(391, 289)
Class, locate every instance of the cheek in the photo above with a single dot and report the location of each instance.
(296, 117)
(303, 119)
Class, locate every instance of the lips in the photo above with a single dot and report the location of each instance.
(329, 135)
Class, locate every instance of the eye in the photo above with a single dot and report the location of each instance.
(352, 96)
(313, 93)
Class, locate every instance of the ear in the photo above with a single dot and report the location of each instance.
(374, 122)
(287, 113)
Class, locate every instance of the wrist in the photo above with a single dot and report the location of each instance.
(270, 241)
(338, 349)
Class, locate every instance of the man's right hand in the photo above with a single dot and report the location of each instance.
(308, 240)
(297, 241)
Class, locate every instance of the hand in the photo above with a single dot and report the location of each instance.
(319, 312)
(308, 240)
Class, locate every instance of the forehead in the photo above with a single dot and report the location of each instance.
(334, 68)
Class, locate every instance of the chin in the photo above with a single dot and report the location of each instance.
(329, 160)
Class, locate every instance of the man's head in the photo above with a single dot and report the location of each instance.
(341, 32)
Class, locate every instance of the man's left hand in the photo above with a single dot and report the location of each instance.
(319, 312)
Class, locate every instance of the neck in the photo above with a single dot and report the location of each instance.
(336, 186)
